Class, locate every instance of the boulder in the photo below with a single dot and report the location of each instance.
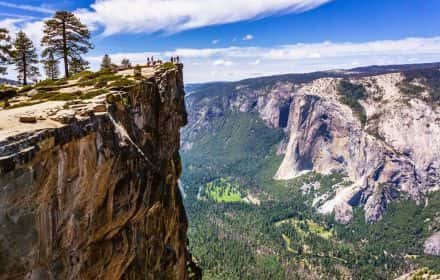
(99, 108)
(64, 116)
(28, 119)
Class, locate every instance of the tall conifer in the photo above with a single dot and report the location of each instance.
(66, 37)
(25, 58)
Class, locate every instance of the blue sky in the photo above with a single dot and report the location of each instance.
(223, 40)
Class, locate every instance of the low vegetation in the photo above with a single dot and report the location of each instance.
(59, 90)
(351, 94)
(223, 190)
(168, 65)
(7, 92)
(419, 81)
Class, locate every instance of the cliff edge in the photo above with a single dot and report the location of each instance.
(89, 179)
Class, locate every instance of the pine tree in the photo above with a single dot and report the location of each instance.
(67, 38)
(77, 65)
(5, 50)
(106, 63)
(25, 57)
(126, 63)
(51, 67)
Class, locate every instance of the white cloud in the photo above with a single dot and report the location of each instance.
(215, 42)
(33, 29)
(11, 24)
(30, 8)
(117, 16)
(135, 58)
(221, 62)
(235, 63)
(248, 37)
(314, 55)
(256, 62)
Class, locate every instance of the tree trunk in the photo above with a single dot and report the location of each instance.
(66, 66)
(24, 69)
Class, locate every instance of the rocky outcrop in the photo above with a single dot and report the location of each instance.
(432, 245)
(97, 197)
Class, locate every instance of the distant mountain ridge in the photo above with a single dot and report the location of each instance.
(307, 77)
(7, 81)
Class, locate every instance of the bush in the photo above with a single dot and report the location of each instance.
(25, 89)
(47, 82)
(137, 72)
(7, 92)
(121, 84)
(350, 96)
(94, 93)
(168, 65)
(429, 78)
(56, 96)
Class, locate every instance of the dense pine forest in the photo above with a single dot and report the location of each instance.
(283, 237)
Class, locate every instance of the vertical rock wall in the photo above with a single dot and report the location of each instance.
(98, 198)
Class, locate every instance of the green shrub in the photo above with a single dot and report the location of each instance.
(122, 84)
(57, 96)
(100, 83)
(61, 82)
(7, 92)
(99, 79)
(25, 89)
(80, 75)
(93, 93)
(428, 78)
(168, 65)
(137, 72)
(350, 94)
(410, 89)
(47, 82)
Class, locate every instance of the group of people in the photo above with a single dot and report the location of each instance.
(175, 59)
(152, 62)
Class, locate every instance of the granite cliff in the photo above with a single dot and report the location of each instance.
(378, 126)
(89, 186)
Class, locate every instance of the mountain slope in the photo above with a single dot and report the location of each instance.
(348, 144)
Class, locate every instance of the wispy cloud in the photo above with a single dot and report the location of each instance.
(176, 15)
(248, 37)
(18, 16)
(256, 62)
(235, 63)
(222, 62)
(34, 29)
(29, 8)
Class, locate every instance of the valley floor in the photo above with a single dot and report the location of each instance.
(283, 236)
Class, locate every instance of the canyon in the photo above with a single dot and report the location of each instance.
(342, 167)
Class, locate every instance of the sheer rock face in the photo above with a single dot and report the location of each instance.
(98, 198)
(396, 153)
